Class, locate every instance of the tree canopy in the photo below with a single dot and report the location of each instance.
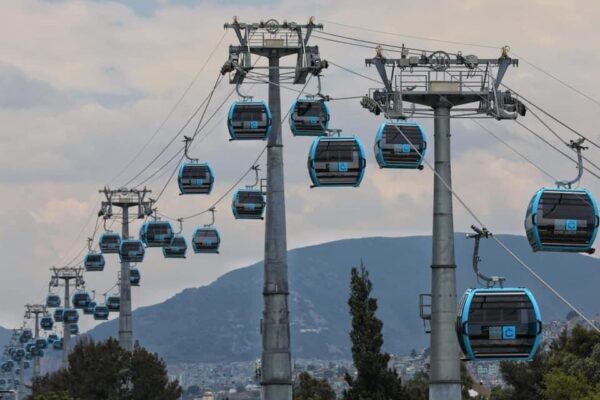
(105, 371)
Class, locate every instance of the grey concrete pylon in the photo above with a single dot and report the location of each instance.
(125, 317)
(442, 82)
(66, 330)
(36, 359)
(276, 355)
(125, 199)
(445, 380)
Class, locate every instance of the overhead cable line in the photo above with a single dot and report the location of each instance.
(161, 152)
(237, 182)
(511, 147)
(411, 36)
(557, 79)
(172, 110)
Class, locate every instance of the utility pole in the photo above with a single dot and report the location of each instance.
(125, 199)
(273, 41)
(66, 274)
(442, 83)
(34, 311)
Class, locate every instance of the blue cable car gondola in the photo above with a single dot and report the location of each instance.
(336, 161)
(562, 219)
(109, 242)
(26, 335)
(70, 316)
(400, 145)
(113, 303)
(58, 315)
(206, 240)
(309, 117)
(53, 300)
(57, 344)
(74, 329)
(52, 337)
(37, 352)
(89, 308)
(46, 323)
(101, 312)
(28, 347)
(28, 356)
(131, 251)
(41, 343)
(499, 323)
(26, 365)
(177, 249)
(157, 233)
(18, 355)
(94, 262)
(249, 120)
(195, 178)
(134, 277)
(248, 204)
(80, 300)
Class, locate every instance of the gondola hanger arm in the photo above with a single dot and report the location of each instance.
(577, 146)
(480, 233)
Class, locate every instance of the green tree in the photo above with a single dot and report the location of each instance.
(53, 396)
(95, 369)
(149, 377)
(568, 370)
(105, 371)
(560, 386)
(309, 388)
(374, 380)
(417, 388)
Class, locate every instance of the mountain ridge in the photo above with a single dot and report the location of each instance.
(219, 322)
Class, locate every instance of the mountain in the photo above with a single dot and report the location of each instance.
(220, 322)
(5, 335)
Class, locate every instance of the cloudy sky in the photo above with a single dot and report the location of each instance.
(85, 84)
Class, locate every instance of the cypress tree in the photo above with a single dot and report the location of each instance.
(374, 380)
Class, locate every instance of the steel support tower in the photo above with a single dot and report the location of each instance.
(125, 199)
(33, 311)
(66, 274)
(274, 41)
(440, 83)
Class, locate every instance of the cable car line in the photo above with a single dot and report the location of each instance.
(157, 130)
(573, 88)
(384, 46)
(548, 114)
(515, 150)
(172, 110)
(560, 138)
(240, 179)
(411, 36)
(199, 128)
(547, 142)
(172, 140)
(511, 253)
